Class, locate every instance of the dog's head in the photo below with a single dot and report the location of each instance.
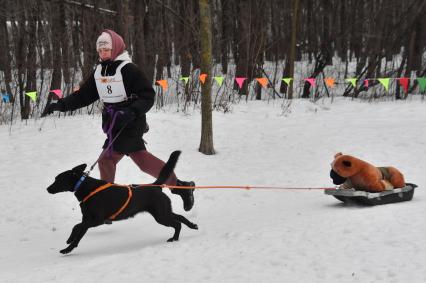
(66, 181)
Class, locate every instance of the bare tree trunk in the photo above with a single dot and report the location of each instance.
(149, 25)
(5, 56)
(31, 84)
(139, 38)
(56, 81)
(206, 143)
(123, 21)
(242, 38)
(292, 51)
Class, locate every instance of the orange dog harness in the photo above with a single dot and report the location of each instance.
(106, 186)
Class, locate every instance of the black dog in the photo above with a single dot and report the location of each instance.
(100, 201)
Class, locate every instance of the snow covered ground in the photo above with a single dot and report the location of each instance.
(244, 235)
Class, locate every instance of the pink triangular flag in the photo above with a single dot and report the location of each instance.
(58, 92)
(311, 81)
(240, 81)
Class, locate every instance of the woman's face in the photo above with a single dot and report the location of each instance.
(104, 54)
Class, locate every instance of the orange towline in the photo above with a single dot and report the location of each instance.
(248, 187)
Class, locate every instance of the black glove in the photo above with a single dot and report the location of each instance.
(337, 179)
(124, 117)
(50, 108)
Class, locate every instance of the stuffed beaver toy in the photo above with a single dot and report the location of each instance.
(351, 172)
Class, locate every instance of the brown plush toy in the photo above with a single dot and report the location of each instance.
(355, 173)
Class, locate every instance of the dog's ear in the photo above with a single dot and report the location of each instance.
(80, 168)
(347, 163)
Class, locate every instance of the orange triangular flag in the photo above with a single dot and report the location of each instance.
(330, 82)
(163, 84)
(262, 81)
(203, 78)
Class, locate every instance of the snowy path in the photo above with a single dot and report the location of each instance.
(244, 236)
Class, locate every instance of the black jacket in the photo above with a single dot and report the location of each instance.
(141, 98)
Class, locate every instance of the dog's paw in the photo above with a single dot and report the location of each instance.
(172, 240)
(193, 226)
(66, 250)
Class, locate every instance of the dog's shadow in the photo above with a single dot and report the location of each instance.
(113, 240)
(115, 246)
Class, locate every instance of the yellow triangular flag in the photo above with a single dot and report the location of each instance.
(163, 84)
(352, 81)
(385, 82)
(185, 79)
(287, 80)
(32, 95)
(219, 80)
(263, 81)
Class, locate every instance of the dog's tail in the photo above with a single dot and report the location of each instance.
(168, 168)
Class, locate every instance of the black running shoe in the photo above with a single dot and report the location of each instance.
(187, 195)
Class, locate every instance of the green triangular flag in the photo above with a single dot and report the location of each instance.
(32, 94)
(287, 80)
(219, 80)
(352, 81)
(385, 83)
(422, 84)
(184, 79)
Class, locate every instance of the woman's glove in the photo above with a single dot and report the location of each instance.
(124, 117)
(50, 108)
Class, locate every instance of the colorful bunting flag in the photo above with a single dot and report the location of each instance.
(219, 80)
(385, 83)
(58, 92)
(32, 95)
(287, 80)
(330, 82)
(422, 84)
(404, 83)
(163, 84)
(366, 83)
(185, 79)
(240, 81)
(311, 81)
(203, 78)
(262, 81)
(352, 81)
(5, 97)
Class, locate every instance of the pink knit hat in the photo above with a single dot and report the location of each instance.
(111, 40)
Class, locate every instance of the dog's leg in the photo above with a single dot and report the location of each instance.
(177, 227)
(182, 219)
(74, 232)
(167, 220)
(77, 233)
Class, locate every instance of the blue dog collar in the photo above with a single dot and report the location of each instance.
(81, 180)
